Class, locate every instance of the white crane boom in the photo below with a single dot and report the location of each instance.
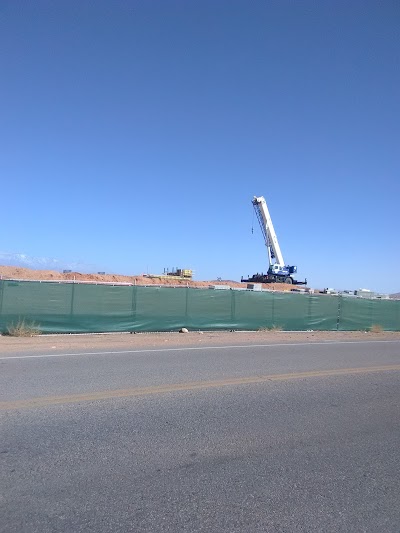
(267, 228)
(278, 272)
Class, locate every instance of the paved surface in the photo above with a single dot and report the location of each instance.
(260, 438)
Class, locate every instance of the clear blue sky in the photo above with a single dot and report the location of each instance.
(135, 134)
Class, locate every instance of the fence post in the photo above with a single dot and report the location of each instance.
(398, 315)
(71, 309)
(309, 311)
(339, 310)
(134, 303)
(233, 307)
(186, 304)
(2, 283)
(273, 310)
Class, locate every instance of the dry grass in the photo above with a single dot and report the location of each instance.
(271, 328)
(23, 329)
(376, 328)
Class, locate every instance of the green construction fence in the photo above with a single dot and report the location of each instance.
(80, 308)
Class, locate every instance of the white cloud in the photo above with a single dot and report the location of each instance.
(45, 263)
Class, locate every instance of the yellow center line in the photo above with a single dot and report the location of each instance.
(189, 386)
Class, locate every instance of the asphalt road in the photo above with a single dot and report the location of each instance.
(280, 438)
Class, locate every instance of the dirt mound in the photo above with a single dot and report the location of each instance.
(11, 272)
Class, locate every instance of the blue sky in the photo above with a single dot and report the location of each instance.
(135, 134)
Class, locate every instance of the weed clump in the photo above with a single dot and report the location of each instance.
(270, 328)
(23, 329)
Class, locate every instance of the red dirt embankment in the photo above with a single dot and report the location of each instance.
(11, 272)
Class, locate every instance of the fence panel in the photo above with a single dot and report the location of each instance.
(386, 314)
(290, 311)
(70, 307)
(48, 305)
(209, 309)
(363, 314)
(99, 308)
(159, 308)
(355, 313)
(322, 312)
(252, 310)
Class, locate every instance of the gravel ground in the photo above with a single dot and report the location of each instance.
(126, 341)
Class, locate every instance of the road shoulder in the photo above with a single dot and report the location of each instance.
(126, 341)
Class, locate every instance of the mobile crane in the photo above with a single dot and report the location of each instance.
(278, 272)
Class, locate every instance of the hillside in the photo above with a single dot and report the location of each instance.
(12, 272)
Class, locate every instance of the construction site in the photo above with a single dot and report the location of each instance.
(278, 277)
(74, 302)
(28, 274)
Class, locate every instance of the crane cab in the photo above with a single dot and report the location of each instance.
(281, 273)
(278, 270)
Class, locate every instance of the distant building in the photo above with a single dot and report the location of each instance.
(364, 293)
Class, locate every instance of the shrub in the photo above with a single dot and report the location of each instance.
(23, 329)
(376, 328)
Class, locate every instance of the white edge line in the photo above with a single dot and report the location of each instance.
(191, 348)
